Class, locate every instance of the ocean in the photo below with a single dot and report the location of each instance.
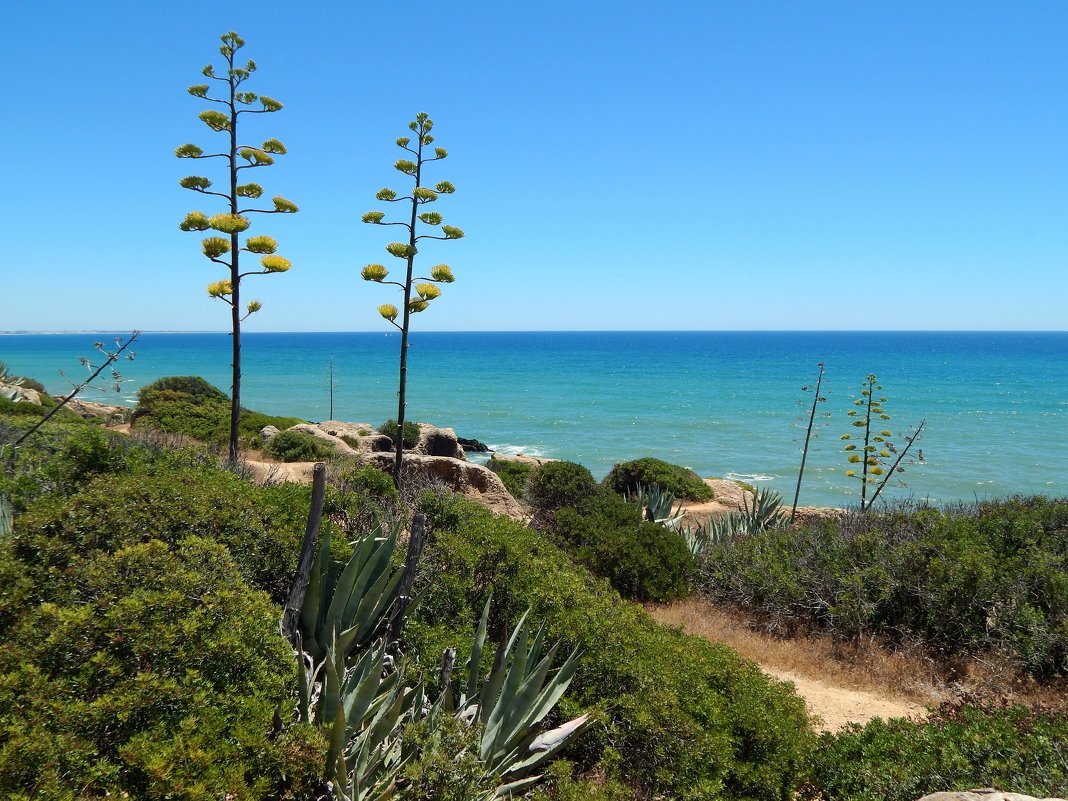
(722, 403)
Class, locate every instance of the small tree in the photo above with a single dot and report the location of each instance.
(427, 289)
(880, 458)
(233, 222)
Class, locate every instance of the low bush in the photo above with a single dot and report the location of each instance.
(261, 526)
(157, 677)
(190, 406)
(680, 481)
(960, 748)
(643, 561)
(297, 446)
(411, 433)
(514, 475)
(556, 485)
(993, 576)
(686, 718)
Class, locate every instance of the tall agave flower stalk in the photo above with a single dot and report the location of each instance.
(234, 222)
(416, 297)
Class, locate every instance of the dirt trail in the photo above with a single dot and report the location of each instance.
(836, 694)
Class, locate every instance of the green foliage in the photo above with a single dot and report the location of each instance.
(446, 766)
(411, 432)
(261, 526)
(555, 485)
(298, 446)
(164, 685)
(680, 481)
(961, 747)
(514, 475)
(993, 576)
(688, 719)
(190, 406)
(643, 561)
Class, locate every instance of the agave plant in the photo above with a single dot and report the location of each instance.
(350, 602)
(658, 506)
(763, 514)
(513, 702)
(365, 708)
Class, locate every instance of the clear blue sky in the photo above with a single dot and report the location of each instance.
(691, 165)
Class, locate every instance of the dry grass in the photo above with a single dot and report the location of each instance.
(906, 674)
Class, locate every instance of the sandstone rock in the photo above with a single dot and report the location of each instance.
(435, 441)
(20, 394)
(473, 481)
(522, 458)
(106, 411)
(985, 794)
(341, 447)
(358, 437)
(268, 433)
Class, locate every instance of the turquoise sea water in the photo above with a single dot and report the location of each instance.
(722, 403)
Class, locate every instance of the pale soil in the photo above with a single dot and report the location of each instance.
(839, 688)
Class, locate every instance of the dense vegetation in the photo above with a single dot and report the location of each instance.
(964, 745)
(988, 577)
(680, 717)
(139, 648)
(190, 406)
(679, 481)
(602, 532)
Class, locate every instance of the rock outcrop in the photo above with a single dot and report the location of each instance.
(473, 445)
(20, 394)
(522, 458)
(472, 481)
(435, 441)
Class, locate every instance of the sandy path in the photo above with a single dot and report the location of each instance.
(836, 692)
(835, 706)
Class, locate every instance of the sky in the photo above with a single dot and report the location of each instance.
(694, 165)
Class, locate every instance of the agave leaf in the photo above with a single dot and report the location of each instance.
(476, 652)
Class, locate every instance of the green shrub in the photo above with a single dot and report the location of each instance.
(687, 718)
(643, 561)
(411, 432)
(446, 766)
(993, 576)
(261, 526)
(556, 485)
(680, 481)
(514, 475)
(298, 446)
(163, 686)
(190, 406)
(960, 748)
